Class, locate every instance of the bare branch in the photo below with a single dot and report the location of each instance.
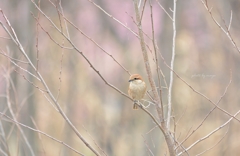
(155, 51)
(40, 132)
(147, 66)
(82, 54)
(164, 9)
(65, 23)
(156, 101)
(223, 30)
(4, 139)
(94, 141)
(230, 22)
(204, 96)
(172, 64)
(109, 15)
(214, 144)
(93, 41)
(39, 136)
(14, 117)
(48, 90)
(147, 146)
(60, 73)
(211, 133)
(143, 10)
(70, 48)
(5, 38)
(224, 93)
(37, 34)
(4, 54)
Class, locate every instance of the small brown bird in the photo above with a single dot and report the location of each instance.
(137, 88)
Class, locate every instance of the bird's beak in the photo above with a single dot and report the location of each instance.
(130, 80)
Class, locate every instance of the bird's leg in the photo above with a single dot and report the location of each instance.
(135, 106)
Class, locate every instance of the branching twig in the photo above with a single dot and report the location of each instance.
(147, 146)
(94, 141)
(16, 41)
(4, 138)
(17, 60)
(164, 9)
(65, 23)
(14, 117)
(199, 93)
(156, 97)
(156, 53)
(224, 93)
(82, 54)
(227, 32)
(143, 9)
(39, 136)
(211, 133)
(215, 144)
(38, 131)
(69, 48)
(147, 65)
(109, 15)
(93, 41)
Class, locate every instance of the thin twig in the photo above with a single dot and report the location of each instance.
(109, 15)
(4, 54)
(147, 146)
(204, 119)
(211, 133)
(172, 65)
(147, 66)
(5, 38)
(14, 117)
(164, 9)
(46, 86)
(37, 35)
(227, 32)
(59, 17)
(94, 141)
(69, 48)
(65, 23)
(93, 41)
(60, 73)
(157, 100)
(39, 136)
(143, 10)
(30, 81)
(230, 22)
(156, 56)
(153, 118)
(197, 92)
(214, 144)
(82, 54)
(4, 138)
(38, 131)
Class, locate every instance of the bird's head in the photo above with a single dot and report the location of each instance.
(136, 78)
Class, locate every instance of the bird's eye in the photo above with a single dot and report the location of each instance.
(135, 78)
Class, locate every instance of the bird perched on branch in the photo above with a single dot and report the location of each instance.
(137, 88)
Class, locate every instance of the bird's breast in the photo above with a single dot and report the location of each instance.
(137, 90)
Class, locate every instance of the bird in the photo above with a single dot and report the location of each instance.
(137, 88)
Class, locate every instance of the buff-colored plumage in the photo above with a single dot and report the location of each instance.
(137, 88)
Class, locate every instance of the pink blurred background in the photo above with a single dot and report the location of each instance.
(204, 58)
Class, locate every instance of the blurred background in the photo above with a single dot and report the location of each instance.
(205, 57)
